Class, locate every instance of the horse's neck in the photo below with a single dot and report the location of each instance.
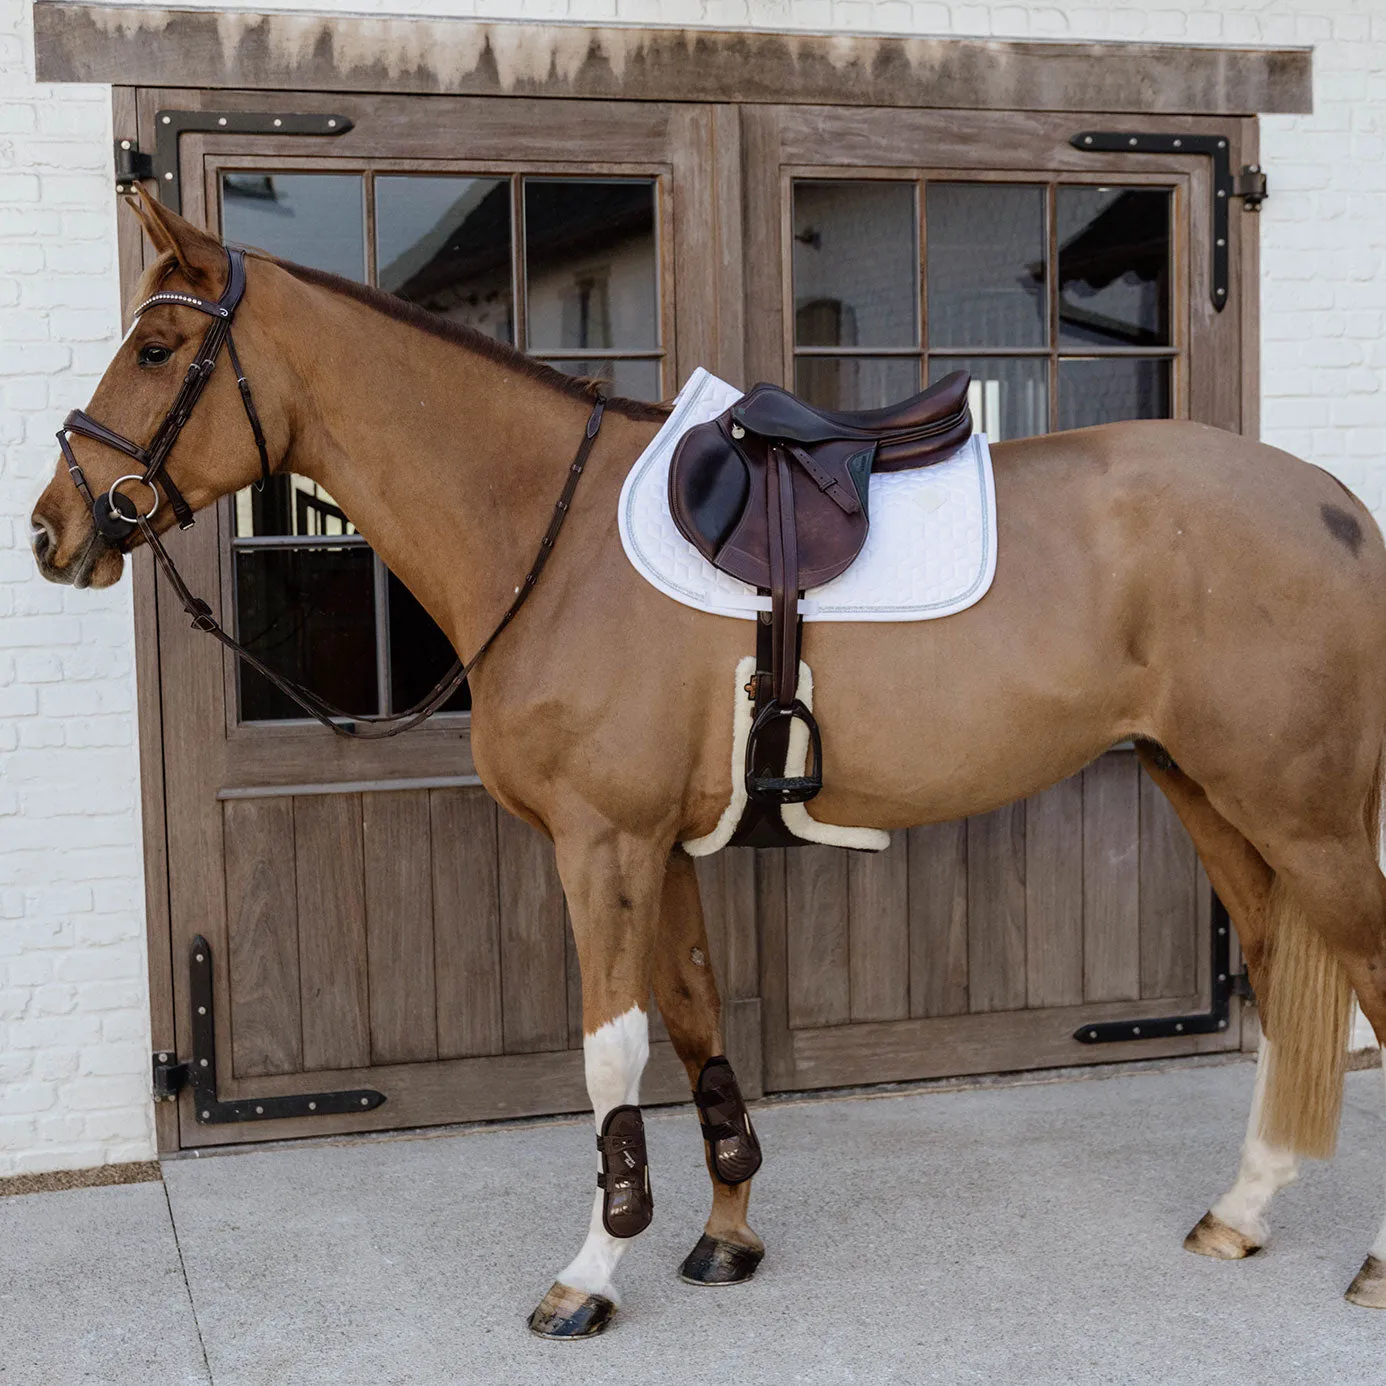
(447, 461)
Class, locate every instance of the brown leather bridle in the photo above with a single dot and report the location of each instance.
(117, 519)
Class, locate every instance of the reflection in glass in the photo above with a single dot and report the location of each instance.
(856, 382)
(420, 654)
(308, 614)
(314, 219)
(856, 264)
(632, 379)
(289, 504)
(444, 243)
(1008, 396)
(590, 264)
(1105, 390)
(1114, 266)
(986, 254)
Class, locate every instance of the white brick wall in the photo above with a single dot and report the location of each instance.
(73, 1007)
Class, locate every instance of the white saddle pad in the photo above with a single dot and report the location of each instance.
(930, 551)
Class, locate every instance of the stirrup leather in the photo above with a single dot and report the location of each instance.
(624, 1179)
(733, 1145)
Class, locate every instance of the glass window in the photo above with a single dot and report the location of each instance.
(312, 600)
(592, 280)
(444, 243)
(314, 219)
(986, 266)
(1055, 297)
(1114, 264)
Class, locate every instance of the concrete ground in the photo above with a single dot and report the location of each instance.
(1026, 1234)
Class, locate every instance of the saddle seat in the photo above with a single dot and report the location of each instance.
(774, 492)
(905, 431)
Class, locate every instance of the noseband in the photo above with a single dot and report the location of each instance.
(117, 518)
(115, 515)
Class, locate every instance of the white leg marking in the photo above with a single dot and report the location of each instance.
(1264, 1169)
(1379, 1246)
(615, 1057)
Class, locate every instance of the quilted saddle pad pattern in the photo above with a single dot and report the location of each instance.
(930, 552)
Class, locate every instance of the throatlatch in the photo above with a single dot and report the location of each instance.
(628, 1202)
(732, 1141)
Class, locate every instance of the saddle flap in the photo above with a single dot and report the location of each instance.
(717, 497)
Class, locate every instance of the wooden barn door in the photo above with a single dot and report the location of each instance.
(373, 921)
(884, 250)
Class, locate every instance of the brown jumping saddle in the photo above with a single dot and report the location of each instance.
(774, 492)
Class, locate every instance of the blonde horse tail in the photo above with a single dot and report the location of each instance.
(1306, 1009)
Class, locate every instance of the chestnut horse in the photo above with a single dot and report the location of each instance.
(1216, 600)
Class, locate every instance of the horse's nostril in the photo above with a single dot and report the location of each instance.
(42, 540)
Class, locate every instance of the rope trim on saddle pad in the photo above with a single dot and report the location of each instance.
(796, 816)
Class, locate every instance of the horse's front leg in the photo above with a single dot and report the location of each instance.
(728, 1251)
(612, 882)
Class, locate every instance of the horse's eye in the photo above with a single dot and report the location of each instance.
(154, 354)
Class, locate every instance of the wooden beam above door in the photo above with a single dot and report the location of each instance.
(326, 52)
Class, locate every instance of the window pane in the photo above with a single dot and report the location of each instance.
(289, 505)
(590, 264)
(444, 243)
(856, 382)
(312, 219)
(986, 265)
(1103, 391)
(633, 379)
(1114, 277)
(1009, 397)
(856, 264)
(420, 654)
(309, 614)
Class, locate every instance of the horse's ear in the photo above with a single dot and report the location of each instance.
(200, 256)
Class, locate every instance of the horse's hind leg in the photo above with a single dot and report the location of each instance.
(1369, 1288)
(728, 1251)
(1235, 1227)
(612, 882)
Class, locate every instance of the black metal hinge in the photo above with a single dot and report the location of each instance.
(133, 165)
(200, 1070)
(1249, 184)
(1226, 985)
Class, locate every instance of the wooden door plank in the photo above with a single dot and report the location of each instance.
(938, 919)
(996, 909)
(333, 959)
(262, 931)
(1168, 904)
(399, 926)
(879, 931)
(772, 911)
(466, 922)
(816, 909)
(534, 965)
(1054, 895)
(1111, 878)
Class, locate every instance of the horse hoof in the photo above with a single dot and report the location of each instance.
(1369, 1289)
(568, 1313)
(715, 1262)
(1213, 1237)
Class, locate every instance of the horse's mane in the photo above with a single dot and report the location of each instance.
(466, 337)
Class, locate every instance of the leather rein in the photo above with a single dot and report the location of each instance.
(117, 518)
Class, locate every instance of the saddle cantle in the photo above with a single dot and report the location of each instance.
(775, 493)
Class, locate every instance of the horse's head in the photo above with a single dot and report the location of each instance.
(74, 538)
